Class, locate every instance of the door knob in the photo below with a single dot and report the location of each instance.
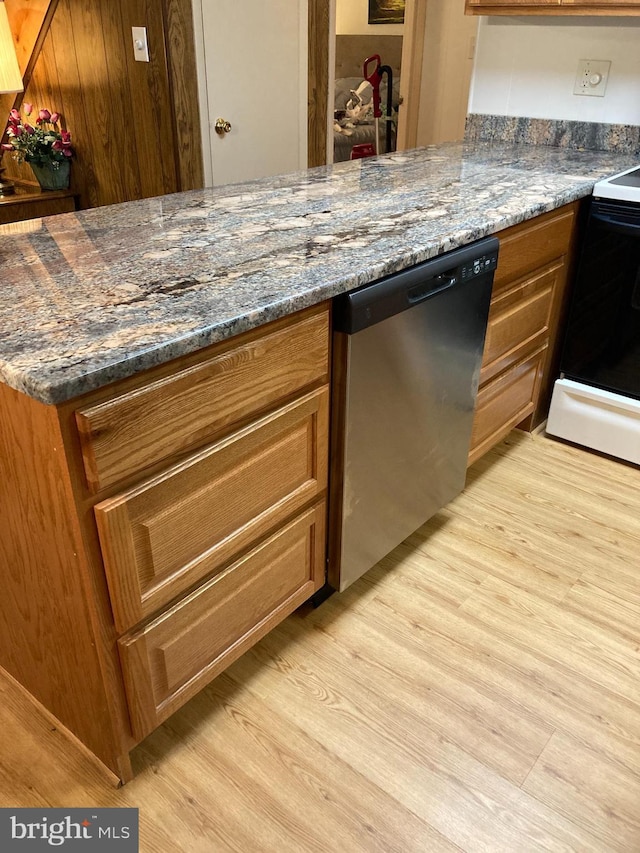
(222, 126)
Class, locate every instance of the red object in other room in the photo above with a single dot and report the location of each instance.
(366, 149)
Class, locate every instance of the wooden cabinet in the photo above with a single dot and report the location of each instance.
(158, 527)
(175, 517)
(164, 535)
(172, 657)
(622, 6)
(131, 432)
(552, 7)
(499, 5)
(503, 403)
(30, 202)
(523, 340)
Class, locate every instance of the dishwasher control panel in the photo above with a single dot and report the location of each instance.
(373, 303)
(479, 266)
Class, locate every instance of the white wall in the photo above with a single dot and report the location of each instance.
(352, 19)
(527, 67)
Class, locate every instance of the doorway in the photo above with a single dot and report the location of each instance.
(362, 30)
(434, 94)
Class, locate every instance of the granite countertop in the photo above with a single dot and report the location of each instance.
(94, 296)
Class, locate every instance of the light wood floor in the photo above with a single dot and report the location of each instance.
(479, 690)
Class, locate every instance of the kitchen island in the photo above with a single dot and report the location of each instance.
(165, 409)
(99, 295)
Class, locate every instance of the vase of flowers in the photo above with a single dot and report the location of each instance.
(43, 145)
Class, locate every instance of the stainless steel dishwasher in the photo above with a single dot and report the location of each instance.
(408, 350)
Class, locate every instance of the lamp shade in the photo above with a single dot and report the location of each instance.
(10, 76)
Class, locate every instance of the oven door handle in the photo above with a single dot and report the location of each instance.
(618, 227)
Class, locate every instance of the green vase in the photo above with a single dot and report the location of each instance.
(50, 178)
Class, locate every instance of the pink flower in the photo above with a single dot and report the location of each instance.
(42, 141)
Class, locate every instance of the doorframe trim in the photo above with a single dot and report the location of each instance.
(203, 99)
(318, 84)
(411, 72)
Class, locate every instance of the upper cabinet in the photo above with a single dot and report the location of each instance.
(552, 7)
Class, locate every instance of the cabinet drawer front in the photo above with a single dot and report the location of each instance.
(504, 402)
(180, 412)
(531, 245)
(164, 536)
(517, 318)
(172, 658)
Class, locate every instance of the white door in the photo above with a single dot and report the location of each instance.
(252, 57)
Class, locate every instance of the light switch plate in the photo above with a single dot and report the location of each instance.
(592, 77)
(140, 44)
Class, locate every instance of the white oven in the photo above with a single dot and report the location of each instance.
(596, 402)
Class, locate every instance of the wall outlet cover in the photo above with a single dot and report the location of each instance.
(592, 77)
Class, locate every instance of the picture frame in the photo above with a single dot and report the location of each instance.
(386, 11)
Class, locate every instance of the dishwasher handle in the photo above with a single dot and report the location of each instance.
(375, 302)
(437, 285)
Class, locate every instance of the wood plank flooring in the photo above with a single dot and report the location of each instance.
(478, 690)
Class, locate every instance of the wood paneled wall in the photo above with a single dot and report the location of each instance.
(135, 125)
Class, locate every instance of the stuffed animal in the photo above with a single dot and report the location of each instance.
(355, 112)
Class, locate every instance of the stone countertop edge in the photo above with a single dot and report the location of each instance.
(128, 287)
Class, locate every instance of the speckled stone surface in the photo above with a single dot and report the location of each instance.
(581, 135)
(91, 297)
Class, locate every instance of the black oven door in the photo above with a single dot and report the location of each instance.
(602, 343)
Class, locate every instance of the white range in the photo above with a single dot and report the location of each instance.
(596, 402)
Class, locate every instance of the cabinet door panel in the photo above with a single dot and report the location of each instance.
(172, 658)
(518, 318)
(504, 402)
(552, 7)
(164, 536)
(187, 409)
(498, 3)
(525, 248)
(603, 4)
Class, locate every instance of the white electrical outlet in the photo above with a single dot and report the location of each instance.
(592, 77)
(140, 44)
